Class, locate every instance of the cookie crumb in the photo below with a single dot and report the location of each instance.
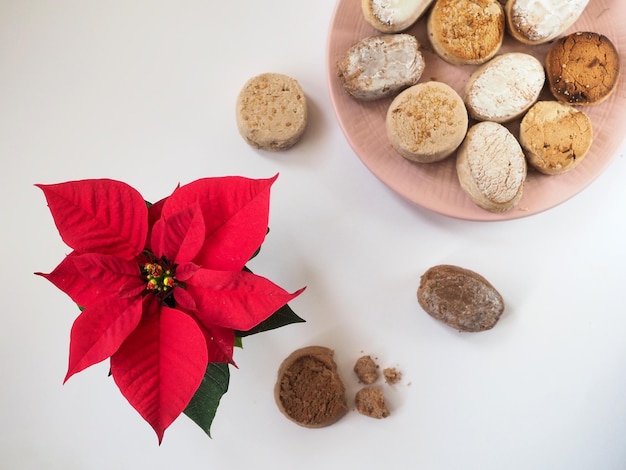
(370, 401)
(392, 375)
(366, 370)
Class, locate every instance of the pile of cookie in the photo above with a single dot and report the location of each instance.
(428, 121)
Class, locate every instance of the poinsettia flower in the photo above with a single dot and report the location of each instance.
(162, 287)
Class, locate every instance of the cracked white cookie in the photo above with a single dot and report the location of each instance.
(491, 167)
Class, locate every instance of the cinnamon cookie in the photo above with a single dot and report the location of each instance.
(466, 31)
(309, 390)
(582, 68)
(555, 136)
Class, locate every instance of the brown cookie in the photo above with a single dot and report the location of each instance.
(309, 390)
(460, 298)
(582, 68)
(555, 136)
(366, 370)
(370, 401)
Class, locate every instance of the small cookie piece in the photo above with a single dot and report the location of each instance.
(379, 66)
(582, 68)
(491, 167)
(426, 122)
(393, 16)
(392, 375)
(555, 136)
(540, 21)
(366, 370)
(309, 390)
(466, 31)
(370, 401)
(505, 87)
(460, 298)
(271, 111)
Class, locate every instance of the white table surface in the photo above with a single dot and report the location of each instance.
(144, 92)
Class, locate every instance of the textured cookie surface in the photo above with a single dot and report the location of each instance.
(393, 16)
(555, 136)
(582, 68)
(460, 298)
(378, 66)
(541, 21)
(370, 401)
(505, 87)
(271, 111)
(466, 31)
(309, 390)
(426, 122)
(491, 167)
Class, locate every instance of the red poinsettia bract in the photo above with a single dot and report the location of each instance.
(162, 286)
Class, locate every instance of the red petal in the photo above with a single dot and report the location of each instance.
(235, 211)
(238, 300)
(160, 366)
(99, 215)
(68, 279)
(220, 343)
(184, 300)
(109, 273)
(100, 330)
(179, 236)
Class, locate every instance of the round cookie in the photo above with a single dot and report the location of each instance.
(466, 31)
(582, 68)
(426, 122)
(555, 136)
(309, 390)
(271, 111)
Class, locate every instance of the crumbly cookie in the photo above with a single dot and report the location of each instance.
(426, 122)
(271, 111)
(370, 401)
(366, 370)
(555, 136)
(466, 31)
(309, 390)
(582, 68)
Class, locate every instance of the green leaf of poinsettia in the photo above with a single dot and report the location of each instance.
(282, 317)
(203, 405)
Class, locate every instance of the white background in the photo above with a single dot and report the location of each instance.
(144, 92)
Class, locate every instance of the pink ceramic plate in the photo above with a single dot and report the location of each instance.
(435, 186)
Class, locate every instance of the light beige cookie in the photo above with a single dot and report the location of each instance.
(540, 21)
(583, 68)
(505, 87)
(555, 136)
(491, 167)
(426, 122)
(271, 111)
(466, 31)
(393, 16)
(379, 66)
